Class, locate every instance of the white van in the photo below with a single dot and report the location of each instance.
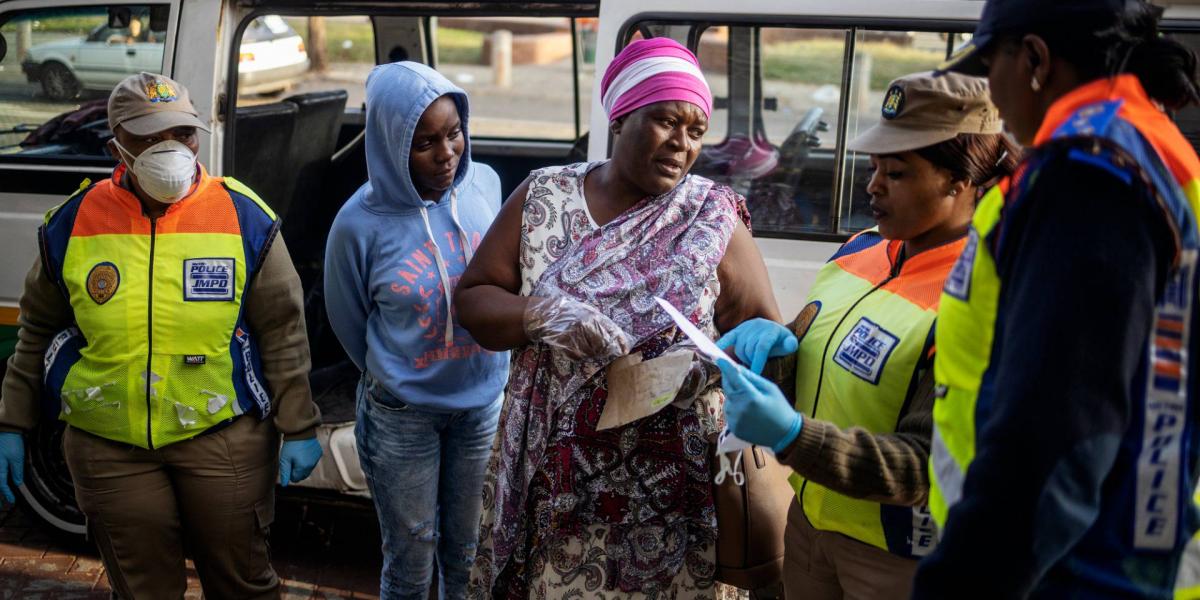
(793, 80)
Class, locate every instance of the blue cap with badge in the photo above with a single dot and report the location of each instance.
(1021, 16)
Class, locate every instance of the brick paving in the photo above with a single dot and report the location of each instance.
(320, 552)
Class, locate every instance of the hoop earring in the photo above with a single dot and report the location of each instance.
(1035, 85)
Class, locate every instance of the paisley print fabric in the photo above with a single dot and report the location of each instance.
(629, 510)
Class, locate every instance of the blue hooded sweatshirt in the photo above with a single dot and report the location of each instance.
(393, 259)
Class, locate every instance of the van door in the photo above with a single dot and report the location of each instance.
(526, 68)
(48, 146)
(52, 144)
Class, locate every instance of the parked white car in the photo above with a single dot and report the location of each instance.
(272, 57)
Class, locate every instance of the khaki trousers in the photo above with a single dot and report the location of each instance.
(824, 565)
(214, 494)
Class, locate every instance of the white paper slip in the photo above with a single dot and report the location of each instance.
(702, 341)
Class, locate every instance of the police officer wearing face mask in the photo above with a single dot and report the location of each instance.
(163, 321)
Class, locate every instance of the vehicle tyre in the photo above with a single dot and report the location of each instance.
(48, 494)
(58, 82)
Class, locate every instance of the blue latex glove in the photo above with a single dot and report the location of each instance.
(12, 464)
(297, 459)
(756, 410)
(757, 340)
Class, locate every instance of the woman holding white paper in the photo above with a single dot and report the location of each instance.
(849, 404)
(567, 277)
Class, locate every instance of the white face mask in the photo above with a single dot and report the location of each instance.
(165, 170)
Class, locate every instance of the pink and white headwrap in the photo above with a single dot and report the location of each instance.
(653, 70)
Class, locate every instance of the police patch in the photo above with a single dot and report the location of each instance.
(208, 279)
(893, 102)
(103, 281)
(865, 350)
(958, 282)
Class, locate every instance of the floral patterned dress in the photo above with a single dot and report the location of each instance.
(572, 512)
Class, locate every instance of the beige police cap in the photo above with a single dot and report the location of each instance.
(146, 103)
(921, 110)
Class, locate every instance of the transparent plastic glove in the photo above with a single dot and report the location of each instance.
(756, 410)
(297, 459)
(702, 374)
(579, 330)
(12, 464)
(757, 340)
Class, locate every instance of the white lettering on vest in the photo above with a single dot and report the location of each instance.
(1156, 519)
(865, 350)
(924, 533)
(208, 279)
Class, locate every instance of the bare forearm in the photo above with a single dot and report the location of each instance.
(745, 287)
(493, 315)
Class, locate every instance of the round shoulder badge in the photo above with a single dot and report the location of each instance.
(893, 102)
(806, 317)
(102, 282)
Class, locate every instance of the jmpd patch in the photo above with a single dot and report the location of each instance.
(865, 350)
(208, 279)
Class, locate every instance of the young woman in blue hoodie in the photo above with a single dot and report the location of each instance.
(429, 397)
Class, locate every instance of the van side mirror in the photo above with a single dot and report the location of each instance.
(3, 47)
(119, 17)
(160, 17)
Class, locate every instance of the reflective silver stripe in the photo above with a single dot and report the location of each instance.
(1160, 461)
(56, 345)
(256, 389)
(946, 470)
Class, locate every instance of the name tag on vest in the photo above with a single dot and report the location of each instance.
(208, 279)
(865, 350)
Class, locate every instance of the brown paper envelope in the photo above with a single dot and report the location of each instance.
(640, 389)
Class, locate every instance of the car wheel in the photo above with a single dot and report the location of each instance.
(48, 493)
(58, 82)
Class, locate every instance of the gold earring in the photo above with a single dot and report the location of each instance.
(1036, 85)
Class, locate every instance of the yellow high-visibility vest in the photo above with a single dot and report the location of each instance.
(857, 366)
(160, 350)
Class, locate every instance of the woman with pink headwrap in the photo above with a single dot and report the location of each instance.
(567, 277)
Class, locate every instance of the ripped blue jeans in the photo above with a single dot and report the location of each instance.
(425, 472)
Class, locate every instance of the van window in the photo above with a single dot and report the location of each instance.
(879, 57)
(520, 73)
(60, 67)
(283, 56)
(772, 136)
(786, 99)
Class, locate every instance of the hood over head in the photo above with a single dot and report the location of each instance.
(397, 96)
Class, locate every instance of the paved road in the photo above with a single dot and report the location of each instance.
(320, 552)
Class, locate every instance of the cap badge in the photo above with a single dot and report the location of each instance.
(102, 282)
(160, 91)
(893, 102)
